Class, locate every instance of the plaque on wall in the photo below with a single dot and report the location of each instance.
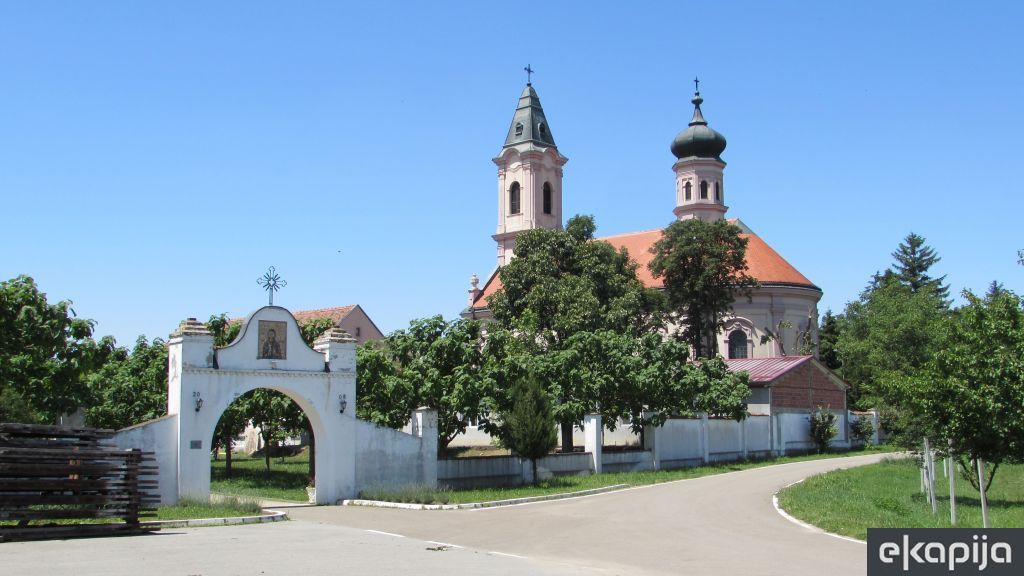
(273, 341)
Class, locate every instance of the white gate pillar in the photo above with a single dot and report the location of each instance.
(593, 439)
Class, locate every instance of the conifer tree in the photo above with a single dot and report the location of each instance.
(530, 423)
(913, 260)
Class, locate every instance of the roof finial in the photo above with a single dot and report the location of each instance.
(698, 118)
(529, 73)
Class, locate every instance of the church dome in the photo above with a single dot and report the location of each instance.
(698, 139)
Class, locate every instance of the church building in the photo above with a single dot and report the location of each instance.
(785, 306)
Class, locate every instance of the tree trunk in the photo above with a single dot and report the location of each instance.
(984, 497)
(566, 437)
(227, 456)
(266, 451)
(951, 472)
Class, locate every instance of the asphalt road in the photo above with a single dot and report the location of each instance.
(722, 524)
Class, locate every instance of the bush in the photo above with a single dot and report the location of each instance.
(862, 430)
(823, 428)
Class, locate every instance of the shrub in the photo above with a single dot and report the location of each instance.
(862, 430)
(823, 428)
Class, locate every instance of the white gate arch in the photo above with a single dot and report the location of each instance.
(268, 353)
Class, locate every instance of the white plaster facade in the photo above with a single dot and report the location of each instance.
(204, 381)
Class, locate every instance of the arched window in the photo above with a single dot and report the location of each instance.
(703, 189)
(519, 128)
(689, 191)
(513, 198)
(718, 193)
(547, 198)
(737, 344)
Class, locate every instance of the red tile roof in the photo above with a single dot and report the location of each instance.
(763, 263)
(335, 314)
(765, 370)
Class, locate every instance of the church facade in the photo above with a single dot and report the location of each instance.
(778, 319)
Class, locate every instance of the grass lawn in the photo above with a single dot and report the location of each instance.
(184, 510)
(287, 479)
(574, 483)
(189, 509)
(887, 495)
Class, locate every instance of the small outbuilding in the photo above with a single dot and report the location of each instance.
(789, 388)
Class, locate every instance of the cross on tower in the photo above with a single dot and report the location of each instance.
(696, 84)
(271, 282)
(529, 74)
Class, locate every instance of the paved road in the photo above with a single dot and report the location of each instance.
(721, 524)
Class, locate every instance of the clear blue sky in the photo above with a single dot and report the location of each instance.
(156, 159)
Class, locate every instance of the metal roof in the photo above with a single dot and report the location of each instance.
(529, 126)
(765, 370)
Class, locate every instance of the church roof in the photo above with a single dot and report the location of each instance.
(529, 124)
(763, 263)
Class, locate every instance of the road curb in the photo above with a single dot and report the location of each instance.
(475, 505)
(273, 516)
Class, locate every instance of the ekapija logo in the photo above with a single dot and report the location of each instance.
(926, 551)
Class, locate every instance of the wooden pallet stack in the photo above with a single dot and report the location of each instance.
(60, 482)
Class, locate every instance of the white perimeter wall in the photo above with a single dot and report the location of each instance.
(389, 458)
(159, 436)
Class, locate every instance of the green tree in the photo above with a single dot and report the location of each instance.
(530, 422)
(703, 266)
(828, 341)
(889, 333)
(442, 362)
(560, 284)
(913, 260)
(232, 422)
(276, 415)
(974, 390)
(131, 387)
(45, 354)
(385, 398)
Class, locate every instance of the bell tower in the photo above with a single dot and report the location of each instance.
(700, 183)
(529, 175)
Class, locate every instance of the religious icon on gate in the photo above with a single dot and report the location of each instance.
(273, 340)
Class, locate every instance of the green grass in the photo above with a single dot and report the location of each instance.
(287, 480)
(186, 509)
(887, 495)
(562, 484)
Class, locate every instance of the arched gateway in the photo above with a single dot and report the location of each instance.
(270, 353)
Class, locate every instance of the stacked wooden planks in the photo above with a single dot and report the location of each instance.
(74, 476)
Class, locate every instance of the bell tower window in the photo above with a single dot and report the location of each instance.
(718, 193)
(519, 128)
(513, 198)
(547, 198)
(737, 344)
(689, 191)
(703, 189)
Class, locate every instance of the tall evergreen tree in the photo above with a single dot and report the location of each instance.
(828, 340)
(913, 260)
(530, 423)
